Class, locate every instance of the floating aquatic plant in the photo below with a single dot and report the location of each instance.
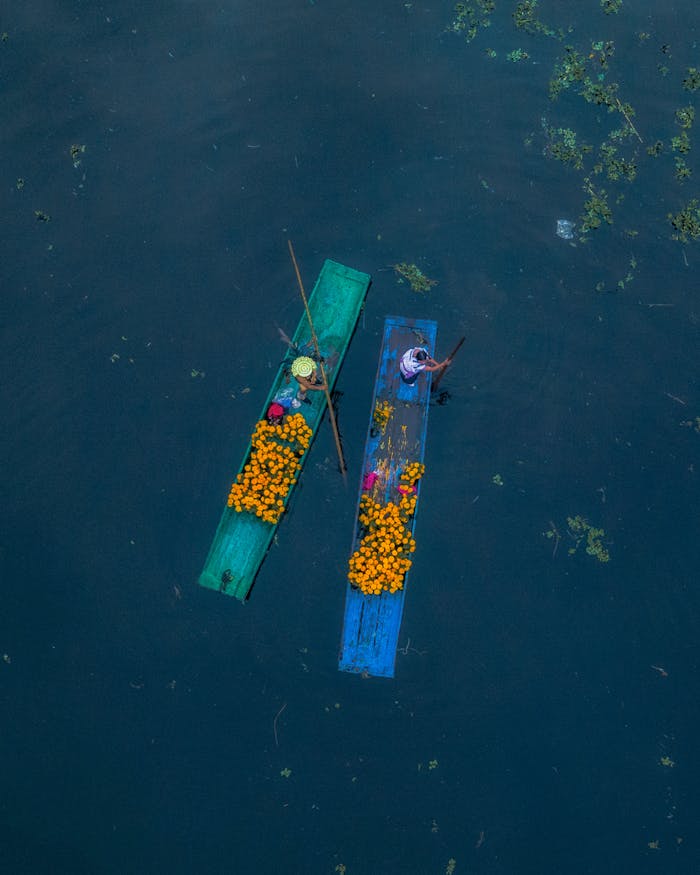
(563, 146)
(692, 80)
(583, 532)
(596, 209)
(569, 70)
(414, 276)
(525, 18)
(613, 165)
(469, 17)
(517, 55)
(685, 117)
(682, 170)
(686, 223)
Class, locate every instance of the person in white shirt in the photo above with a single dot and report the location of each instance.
(416, 360)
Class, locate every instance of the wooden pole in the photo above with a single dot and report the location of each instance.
(314, 338)
(629, 120)
(441, 372)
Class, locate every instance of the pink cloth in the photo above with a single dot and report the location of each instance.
(369, 480)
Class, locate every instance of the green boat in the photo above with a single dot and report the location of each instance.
(244, 535)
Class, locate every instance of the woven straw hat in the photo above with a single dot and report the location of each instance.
(303, 366)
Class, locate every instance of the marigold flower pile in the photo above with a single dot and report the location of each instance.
(271, 469)
(382, 559)
(382, 415)
(411, 474)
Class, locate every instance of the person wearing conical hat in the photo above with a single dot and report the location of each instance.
(305, 373)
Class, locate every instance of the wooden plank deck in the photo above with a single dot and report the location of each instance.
(242, 539)
(372, 623)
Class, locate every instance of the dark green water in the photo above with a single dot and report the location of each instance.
(529, 728)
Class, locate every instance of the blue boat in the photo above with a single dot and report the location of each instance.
(395, 445)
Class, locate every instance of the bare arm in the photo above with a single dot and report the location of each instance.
(435, 366)
(307, 384)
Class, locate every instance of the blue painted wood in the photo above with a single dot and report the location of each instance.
(372, 623)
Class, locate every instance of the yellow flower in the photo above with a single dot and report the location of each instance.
(270, 469)
(380, 562)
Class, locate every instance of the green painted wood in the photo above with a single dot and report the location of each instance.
(242, 539)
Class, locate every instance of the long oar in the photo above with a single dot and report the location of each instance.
(314, 338)
(441, 372)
